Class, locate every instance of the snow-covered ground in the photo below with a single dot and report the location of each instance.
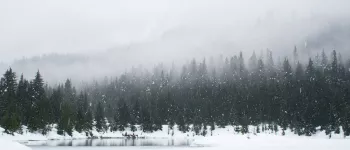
(272, 141)
(222, 138)
(52, 135)
(11, 145)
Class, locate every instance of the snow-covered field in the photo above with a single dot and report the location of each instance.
(52, 135)
(11, 145)
(272, 142)
(222, 138)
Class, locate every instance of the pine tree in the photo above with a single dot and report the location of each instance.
(146, 123)
(81, 112)
(287, 97)
(181, 123)
(100, 118)
(65, 124)
(295, 56)
(67, 112)
(69, 96)
(56, 100)
(197, 124)
(172, 111)
(324, 60)
(253, 62)
(22, 100)
(9, 113)
(124, 116)
(135, 115)
(309, 104)
(88, 118)
(40, 105)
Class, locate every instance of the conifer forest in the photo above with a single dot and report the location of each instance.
(259, 90)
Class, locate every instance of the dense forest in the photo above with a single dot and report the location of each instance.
(258, 91)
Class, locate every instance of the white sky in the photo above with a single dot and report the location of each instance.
(35, 27)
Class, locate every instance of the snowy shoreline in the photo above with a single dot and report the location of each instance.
(52, 135)
(227, 132)
(223, 138)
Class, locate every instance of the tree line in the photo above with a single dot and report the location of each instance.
(229, 91)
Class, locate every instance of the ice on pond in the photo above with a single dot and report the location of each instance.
(111, 142)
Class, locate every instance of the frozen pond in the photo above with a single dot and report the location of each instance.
(108, 143)
(119, 148)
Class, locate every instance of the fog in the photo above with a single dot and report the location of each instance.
(86, 39)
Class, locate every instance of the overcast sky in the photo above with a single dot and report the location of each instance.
(35, 27)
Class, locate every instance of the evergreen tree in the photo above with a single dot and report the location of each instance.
(9, 113)
(124, 116)
(22, 100)
(181, 123)
(324, 60)
(81, 112)
(67, 107)
(146, 123)
(309, 97)
(100, 118)
(253, 62)
(295, 56)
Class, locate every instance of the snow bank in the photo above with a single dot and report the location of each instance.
(25, 136)
(37, 136)
(10, 145)
(52, 135)
(156, 134)
(217, 135)
(226, 138)
(271, 143)
(220, 138)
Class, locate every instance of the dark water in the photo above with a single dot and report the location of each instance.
(111, 142)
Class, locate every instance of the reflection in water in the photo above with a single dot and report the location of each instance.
(113, 142)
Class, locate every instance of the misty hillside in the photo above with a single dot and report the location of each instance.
(180, 44)
(335, 36)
